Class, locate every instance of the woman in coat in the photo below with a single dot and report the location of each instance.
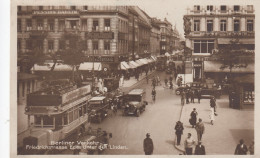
(193, 119)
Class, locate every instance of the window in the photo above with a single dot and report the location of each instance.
(236, 8)
(73, 7)
(95, 47)
(29, 24)
(62, 44)
(84, 25)
(223, 8)
(37, 120)
(65, 119)
(40, 7)
(203, 46)
(85, 7)
(73, 24)
(210, 8)
(250, 25)
(19, 25)
(39, 24)
(61, 24)
(50, 46)
(95, 25)
(28, 44)
(28, 87)
(196, 8)
(223, 25)
(70, 116)
(51, 24)
(19, 8)
(107, 24)
(209, 25)
(163, 47)
(196, 25)
(39, 44)
(236, 25)
(47, 120)
(107, 47)
(163, 38)
(18, 44)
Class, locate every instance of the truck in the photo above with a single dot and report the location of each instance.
(98, 108)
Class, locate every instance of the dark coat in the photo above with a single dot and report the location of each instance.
(200, 150)
(148, 145)
(241, 151)
(193, 117)
(179, 128)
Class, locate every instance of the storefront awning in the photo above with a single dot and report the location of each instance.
(133, 64)
(139, 62)
(88, 66)
(215, 66)
(124, 66)
(144, 60)
(47, 67)
(248, 78)
(154, 58)
(62, 67)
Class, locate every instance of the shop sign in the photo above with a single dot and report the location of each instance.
(188, 67)
(23, 35)
(101, 59)
(196, 65)
(100, 35)
(54, 12)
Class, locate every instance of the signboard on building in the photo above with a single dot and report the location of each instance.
(54, 12)
(109, 59)
(100, 35)
(188, 67)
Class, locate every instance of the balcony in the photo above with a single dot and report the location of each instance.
(250, 34)
(38, 33)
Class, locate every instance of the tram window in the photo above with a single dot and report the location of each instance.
(65, 119)
(37, 120)
(70, 116)
(76, 114)
(47, 120)
(84, 108)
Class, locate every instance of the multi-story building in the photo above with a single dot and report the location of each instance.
(210, 29)
(155, 38)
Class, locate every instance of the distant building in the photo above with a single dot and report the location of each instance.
(210, 29)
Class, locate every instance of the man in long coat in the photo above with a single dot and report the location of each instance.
(148, 145)
(200, 129)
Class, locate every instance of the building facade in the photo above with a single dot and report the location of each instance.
(213, 29)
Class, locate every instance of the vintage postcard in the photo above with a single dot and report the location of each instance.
(133, 78)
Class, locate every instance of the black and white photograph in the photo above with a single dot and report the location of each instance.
(150, 78)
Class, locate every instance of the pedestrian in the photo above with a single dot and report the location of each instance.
(182, 98)
(213, 104)
(199, 95)
(193, 118)
(200, 129)
(148, 145)
(211, 115)
(200, 149)
(158, 81)
(192, 93)
(179, 131)
(187, 96)
(188, 144)
(166, 82)
(241, 148)
(171, 85)
(251, 148)
(171, 78)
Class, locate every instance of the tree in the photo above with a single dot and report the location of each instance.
(73, 54)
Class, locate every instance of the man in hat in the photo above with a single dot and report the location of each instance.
(200, 129)
(200, 149)
(148, 145)
(178, 131)
(241, 148)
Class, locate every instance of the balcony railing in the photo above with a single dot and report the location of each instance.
(223, 34)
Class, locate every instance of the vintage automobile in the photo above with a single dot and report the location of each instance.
(98, 108)
(183, 87)
(135, 102)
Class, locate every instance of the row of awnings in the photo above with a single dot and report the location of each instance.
(89, 66)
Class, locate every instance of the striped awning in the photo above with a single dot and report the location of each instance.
(139, 62)
(133, 64)
(124, 66)
(88, 66)
(144, 60)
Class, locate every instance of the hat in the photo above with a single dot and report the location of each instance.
(194, 108)
(148, 135)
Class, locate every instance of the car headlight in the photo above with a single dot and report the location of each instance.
(127, 105)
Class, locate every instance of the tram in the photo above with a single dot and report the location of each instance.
(55, 114)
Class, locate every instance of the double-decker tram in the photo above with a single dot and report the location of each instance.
(54, 114)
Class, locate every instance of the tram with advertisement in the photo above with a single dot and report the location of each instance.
(56, 113)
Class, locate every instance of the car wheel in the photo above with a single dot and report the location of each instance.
(177, 92)
(138, 113)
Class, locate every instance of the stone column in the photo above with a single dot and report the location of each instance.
(90, 24)
(216, 24)
(90, 47)
(23, 24)
(101, 46)
(23, 45)
(45, 45)
(243, 24)
(203, 24)
(34, 24)
(56, 25)
(101, 24)
(45, 24)
(56, 44)
(230, 24)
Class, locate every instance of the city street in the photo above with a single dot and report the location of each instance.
(158, 119)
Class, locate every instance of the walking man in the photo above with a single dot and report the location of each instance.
(179, 131)
(166, 82)
(193, 118)
(200, 149)
(213, 104)
(187, 96)
(200, 129)
(188, 144)
(192, 96)
(199, 95)
(148, 145)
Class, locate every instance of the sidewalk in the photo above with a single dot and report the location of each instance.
(229, 127)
